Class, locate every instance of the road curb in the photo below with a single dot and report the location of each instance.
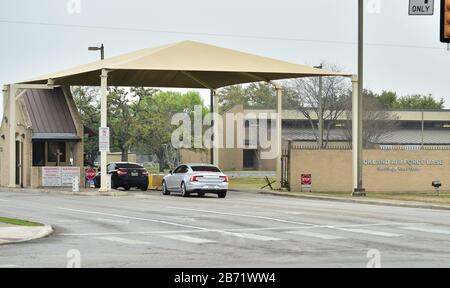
(45, 231)
(56, 192)
(359, 201)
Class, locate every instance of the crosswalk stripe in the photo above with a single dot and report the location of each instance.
(370, 232)
(428, 230)
(252, 236)
(189, 239)
(315, 235)
(124, 240)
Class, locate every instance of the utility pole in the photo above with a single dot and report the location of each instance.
(360, 191)
(320, 114)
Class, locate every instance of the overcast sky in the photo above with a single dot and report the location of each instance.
(403, 53)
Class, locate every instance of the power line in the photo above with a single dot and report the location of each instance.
(241, 36)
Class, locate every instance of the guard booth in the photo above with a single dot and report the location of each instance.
(49, 138)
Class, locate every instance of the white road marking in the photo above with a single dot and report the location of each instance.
(428, 230)
(252, 236)
(124, 240)
(135, 218)
(189, 239)
(8, 266)
(113, 221)
(370, 232)
(244, 215)
(315, 235)
(3, 200)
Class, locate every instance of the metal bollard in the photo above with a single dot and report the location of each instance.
(75, 184)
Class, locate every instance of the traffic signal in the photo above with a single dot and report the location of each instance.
(445, 21)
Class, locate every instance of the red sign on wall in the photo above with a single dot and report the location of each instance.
(306, 179)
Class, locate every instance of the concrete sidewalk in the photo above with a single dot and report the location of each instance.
(361, 200)
(15, 234)
(67, 191)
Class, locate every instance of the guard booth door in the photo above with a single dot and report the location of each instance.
(19, 165)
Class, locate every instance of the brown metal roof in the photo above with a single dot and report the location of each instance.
(49, 111)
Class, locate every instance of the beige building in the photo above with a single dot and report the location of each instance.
(49, 133)
(413, 128)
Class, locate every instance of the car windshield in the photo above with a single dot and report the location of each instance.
(205, 169)
(128, 165)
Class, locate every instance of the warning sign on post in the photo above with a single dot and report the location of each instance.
(103, 141)
(421, 7)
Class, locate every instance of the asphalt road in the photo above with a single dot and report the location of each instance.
(243, 230)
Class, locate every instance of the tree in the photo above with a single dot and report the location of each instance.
(89, 109)
(418, 101)
(155, 129)
(254, 95)
(303, 95)
(387, 99)
(377, 121)
(123, 116)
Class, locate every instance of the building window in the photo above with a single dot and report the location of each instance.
(55, 149)
(38, 153)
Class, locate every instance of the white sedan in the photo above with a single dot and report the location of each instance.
(196, 178)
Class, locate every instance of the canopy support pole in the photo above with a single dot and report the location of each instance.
(103, 123)
(279, 144)
(216, 128)
(12, 136)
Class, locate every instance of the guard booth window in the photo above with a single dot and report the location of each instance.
(38, 153)
(53, 149)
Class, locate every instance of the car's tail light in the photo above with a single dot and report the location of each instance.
(225, 178)
(145, 173)
(121, 172)
(193, 179)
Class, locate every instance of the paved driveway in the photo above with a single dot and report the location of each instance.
(243, 230)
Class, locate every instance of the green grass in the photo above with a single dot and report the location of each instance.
(18, 222)
(424, 197)
(247, 183)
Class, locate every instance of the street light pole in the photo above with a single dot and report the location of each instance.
(101, 48)
(320, 114)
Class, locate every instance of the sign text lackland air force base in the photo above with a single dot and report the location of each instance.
(404, 165)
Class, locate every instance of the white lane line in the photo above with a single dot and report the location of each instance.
(370, 232)
(124, 240)
(113, 221)
(252, 236)
(135, 218)
(8, 266)
(189, 239)
(3, 200)
(428, 230)
(315, 235)
(244, 215)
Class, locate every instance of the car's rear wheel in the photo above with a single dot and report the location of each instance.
(222, 194)
(144, 188)
(164, 189)
(184, 193)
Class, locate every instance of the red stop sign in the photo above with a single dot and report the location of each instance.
(306, 179)
(90, 173)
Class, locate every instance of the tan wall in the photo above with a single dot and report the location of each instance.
(117, 157)
(332, 172)
(194, 156)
